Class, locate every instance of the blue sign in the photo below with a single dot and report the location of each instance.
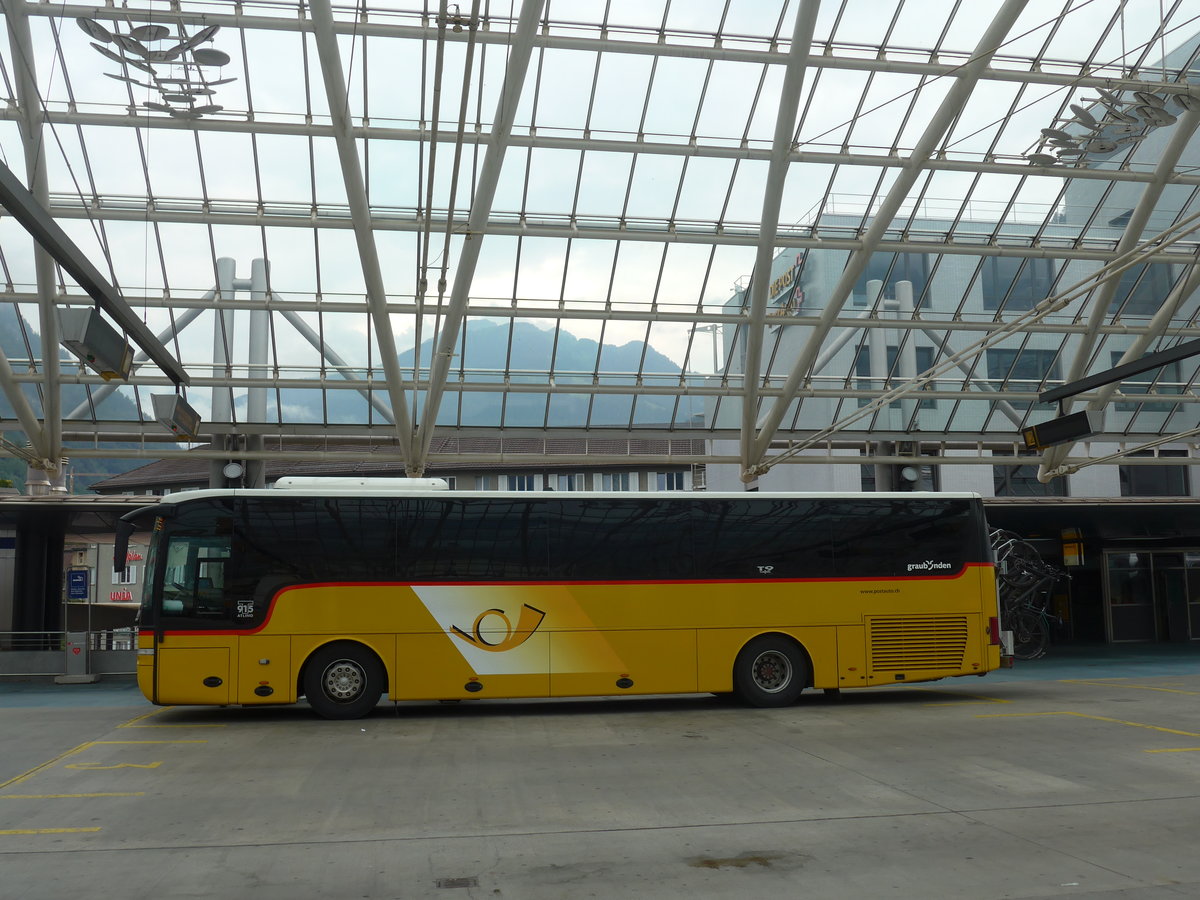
(77, 584)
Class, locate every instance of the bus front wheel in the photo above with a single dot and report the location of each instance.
(770, 671)
(343, 681)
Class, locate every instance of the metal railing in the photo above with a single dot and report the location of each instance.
(45, 653)
(32, 640)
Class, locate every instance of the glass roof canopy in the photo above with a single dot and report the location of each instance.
(780, 224)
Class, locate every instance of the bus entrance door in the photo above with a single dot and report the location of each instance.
(188, 669)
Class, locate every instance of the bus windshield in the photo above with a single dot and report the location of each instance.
(194, 576)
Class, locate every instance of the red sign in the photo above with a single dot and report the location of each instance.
(133, 557)
(121, 596)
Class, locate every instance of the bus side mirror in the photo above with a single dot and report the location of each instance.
(121, 544)
(126, 526)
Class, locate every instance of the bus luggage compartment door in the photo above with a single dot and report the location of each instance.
(637, 661)
(191, 674)
(265, 669)
(452, 667)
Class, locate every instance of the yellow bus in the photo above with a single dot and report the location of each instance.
(340, 591)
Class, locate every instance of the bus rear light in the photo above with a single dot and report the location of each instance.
(994, 630)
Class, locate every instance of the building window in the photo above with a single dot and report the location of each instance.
(1022, 481)
(1014, 284)
(1155, 480)
(615, 481)
(669, 481)
(1142, 290)
(129, 576)
(1022, 370)
(485, 482)
(1165, 380)
(862, 368)
(576, 481)
(520, 482)
(891, 268)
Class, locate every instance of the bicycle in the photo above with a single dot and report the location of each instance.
(1024, 587)
(1017, 563)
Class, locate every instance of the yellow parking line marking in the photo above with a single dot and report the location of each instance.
(192, 741)
(27, 775)
(1175, 750)
(966, 698)
(133, 723)
(1134, 687)
(71, 796)
(137, 723)
(47, 830)
(92, 767)
(1096, 718)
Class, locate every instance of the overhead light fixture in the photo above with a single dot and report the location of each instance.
(1063, 430)
(84, 332)
(174, 413)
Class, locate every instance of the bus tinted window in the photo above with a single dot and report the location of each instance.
(753, 538)
(483, 539)
(886, 538)
(621, 540)
(389, 539)
(320, 539)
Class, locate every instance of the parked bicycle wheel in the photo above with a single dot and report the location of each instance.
(1031, 633)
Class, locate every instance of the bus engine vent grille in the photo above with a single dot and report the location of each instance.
(899, 643)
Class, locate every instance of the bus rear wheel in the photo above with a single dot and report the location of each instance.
(343, 681)
(770, 671)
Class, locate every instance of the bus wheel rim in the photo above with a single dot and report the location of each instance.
(772, 671)
(343, 680)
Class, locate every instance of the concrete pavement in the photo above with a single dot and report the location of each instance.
(1073, 776)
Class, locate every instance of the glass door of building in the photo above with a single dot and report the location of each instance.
(1152, 595)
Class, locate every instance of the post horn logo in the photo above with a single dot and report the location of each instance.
(486, 636)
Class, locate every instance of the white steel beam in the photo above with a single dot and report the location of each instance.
(1011, 165)
(385, 24)
(530, 309)
(777, 169)
(733, 234)
(1102, 296)
(46, 439)
(942, 119)
(26, 417)
(520, 50)
(668, 386)
(334, 77)
(556, 461)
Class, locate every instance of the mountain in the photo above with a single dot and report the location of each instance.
(487, 348)
(531, 351)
